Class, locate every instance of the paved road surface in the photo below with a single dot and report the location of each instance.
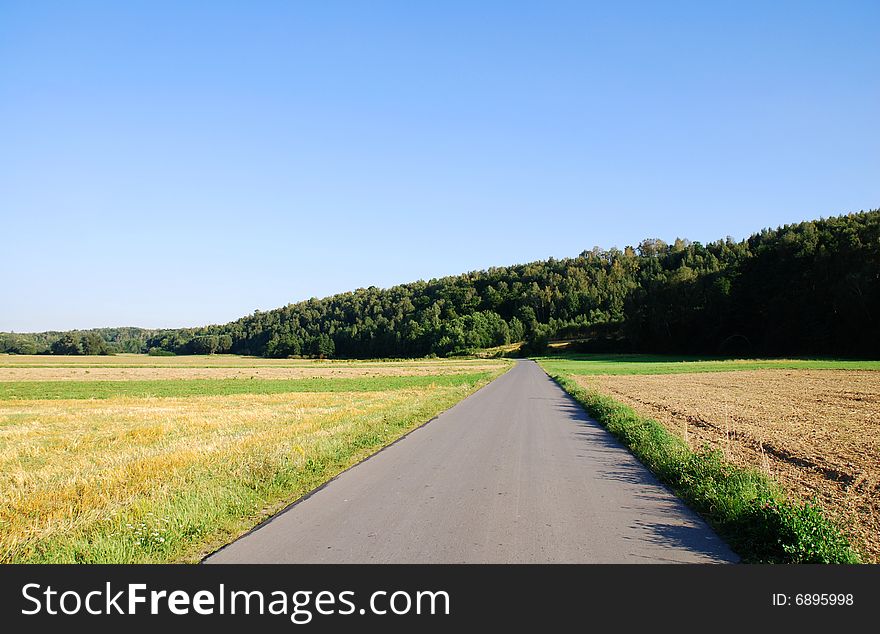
(516, 473)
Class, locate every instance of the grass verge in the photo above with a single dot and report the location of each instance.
(744, 506)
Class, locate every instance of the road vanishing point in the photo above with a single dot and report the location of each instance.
(515, 473)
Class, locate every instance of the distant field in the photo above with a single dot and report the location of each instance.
(185, 373)
(220, 361)
(165, 470)
(812, 425)
(615, 364)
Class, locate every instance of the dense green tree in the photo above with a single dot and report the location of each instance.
(284, 346)
(322, 346)
(224, 343)
(92, 343)
(69, 343)
(14, 344)
(204, 344)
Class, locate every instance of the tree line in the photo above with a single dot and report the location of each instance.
(94, 341)
(805, 288)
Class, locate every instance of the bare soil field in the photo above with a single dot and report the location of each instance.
(817, 432)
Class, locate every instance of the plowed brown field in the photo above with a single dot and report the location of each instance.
(817, 432)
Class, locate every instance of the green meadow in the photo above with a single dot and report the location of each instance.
(587, 364)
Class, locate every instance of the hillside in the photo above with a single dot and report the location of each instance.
(807, 288)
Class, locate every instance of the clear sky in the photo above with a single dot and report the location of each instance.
(184, 163)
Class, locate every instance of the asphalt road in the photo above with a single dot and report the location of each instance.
(516, 473)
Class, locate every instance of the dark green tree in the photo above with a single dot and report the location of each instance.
(68, 343)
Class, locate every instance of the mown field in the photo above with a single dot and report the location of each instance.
(813, 426)
(154, 459)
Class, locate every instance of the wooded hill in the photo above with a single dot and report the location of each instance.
(801, 289)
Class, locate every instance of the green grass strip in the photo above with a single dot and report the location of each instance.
(744, 506)
(36, 390)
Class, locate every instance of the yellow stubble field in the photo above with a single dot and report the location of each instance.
(88, 475)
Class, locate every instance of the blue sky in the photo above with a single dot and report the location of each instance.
(183, 163)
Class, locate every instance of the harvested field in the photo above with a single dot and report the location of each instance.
(161, 464)
(817, 432)
(90, 468)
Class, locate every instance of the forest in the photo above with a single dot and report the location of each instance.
(811, 288)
